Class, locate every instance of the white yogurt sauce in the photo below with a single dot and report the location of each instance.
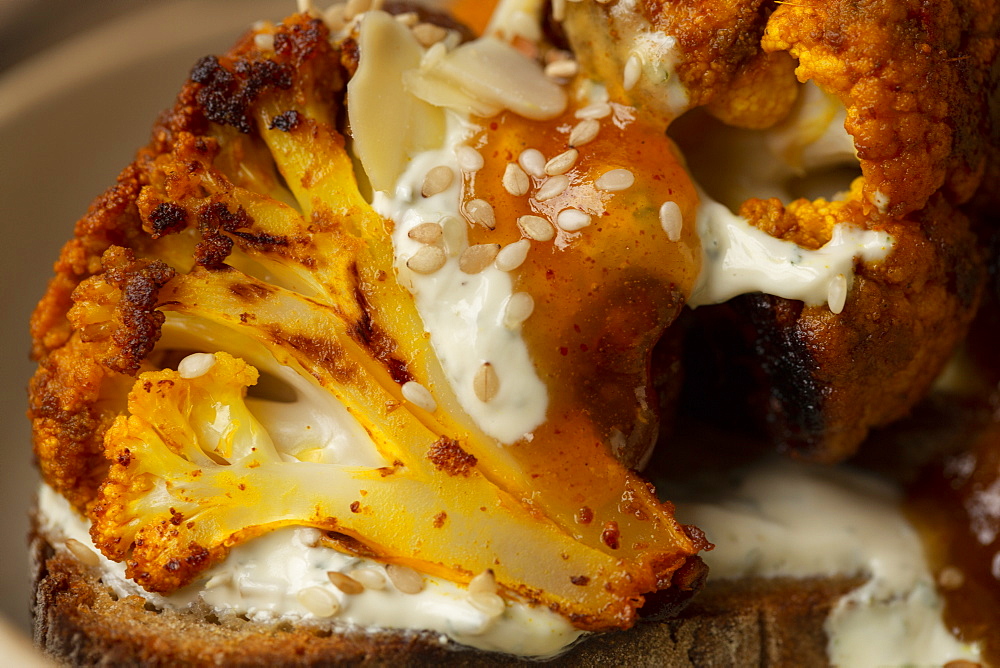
(786, 519)
(464, 313)
(262, 578)
(738, 258)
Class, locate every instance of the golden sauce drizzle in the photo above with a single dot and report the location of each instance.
(602, 294)
(473, 13)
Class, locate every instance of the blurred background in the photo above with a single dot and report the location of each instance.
(80, 86)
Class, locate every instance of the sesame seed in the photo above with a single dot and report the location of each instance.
(83, 554)
(558, 9)
(615, 180)
(562, 163)
(536, 227)
(671, 220)
(345, 583)
(195, 365)
(485, 383)
(355, 7)
(564, 68)
(487, 603)
(405, 579)
(836, 293)
(370, 578)
(408, 19)
(572, 220)
(515, 181)
(454, 235)
(480, 212)
(419, 396)
(426, 233)
(552, 187)
(533, 162)
(484, 583)
(595, 111)
(428, 33)
(427, 260)
(512, 255)
(469, 159)
(584, 132)
(520, 306)
(437, 180)
(633, 70)
(476, 258)
(318, 601)
(950, 577)
(264, 41)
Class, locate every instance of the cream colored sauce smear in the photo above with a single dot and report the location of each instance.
(263, 579)
(781, 518)
(464, 313)
(738, 259)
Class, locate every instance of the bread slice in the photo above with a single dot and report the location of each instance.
(753, 622)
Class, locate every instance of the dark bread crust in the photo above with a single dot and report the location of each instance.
(756, 622)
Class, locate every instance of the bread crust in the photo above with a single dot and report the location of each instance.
(752, 622)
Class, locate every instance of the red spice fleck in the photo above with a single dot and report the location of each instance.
(355, 506)
(611, 534)
(580, 580)
(448, 456)
(584, 516)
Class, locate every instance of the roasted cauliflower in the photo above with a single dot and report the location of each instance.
(245, 332)
(903, 93)
(241, 233)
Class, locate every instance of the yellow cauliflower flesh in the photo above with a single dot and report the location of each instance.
(248, 233)
(193, 473)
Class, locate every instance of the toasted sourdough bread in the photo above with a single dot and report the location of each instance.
(751, 622)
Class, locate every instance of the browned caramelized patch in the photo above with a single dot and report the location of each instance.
(250, 292)
(286, 121)
(348, 544)
(167, 217)
(214, 218)
(325, 353)
(371, 336)
(439, 519)
(135, 325)
(227, 94)
(448, 456)
(192, 560)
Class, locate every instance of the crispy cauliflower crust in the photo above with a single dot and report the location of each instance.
(919, 85)
(917, 81)
(834, 377)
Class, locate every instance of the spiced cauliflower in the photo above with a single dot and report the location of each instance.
(773, 101)
(241, 233)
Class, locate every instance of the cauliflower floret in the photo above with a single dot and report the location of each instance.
(668, 57)
(249, 231)
(193, 473)
(915, 78)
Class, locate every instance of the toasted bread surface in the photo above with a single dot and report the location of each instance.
(753, 622)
